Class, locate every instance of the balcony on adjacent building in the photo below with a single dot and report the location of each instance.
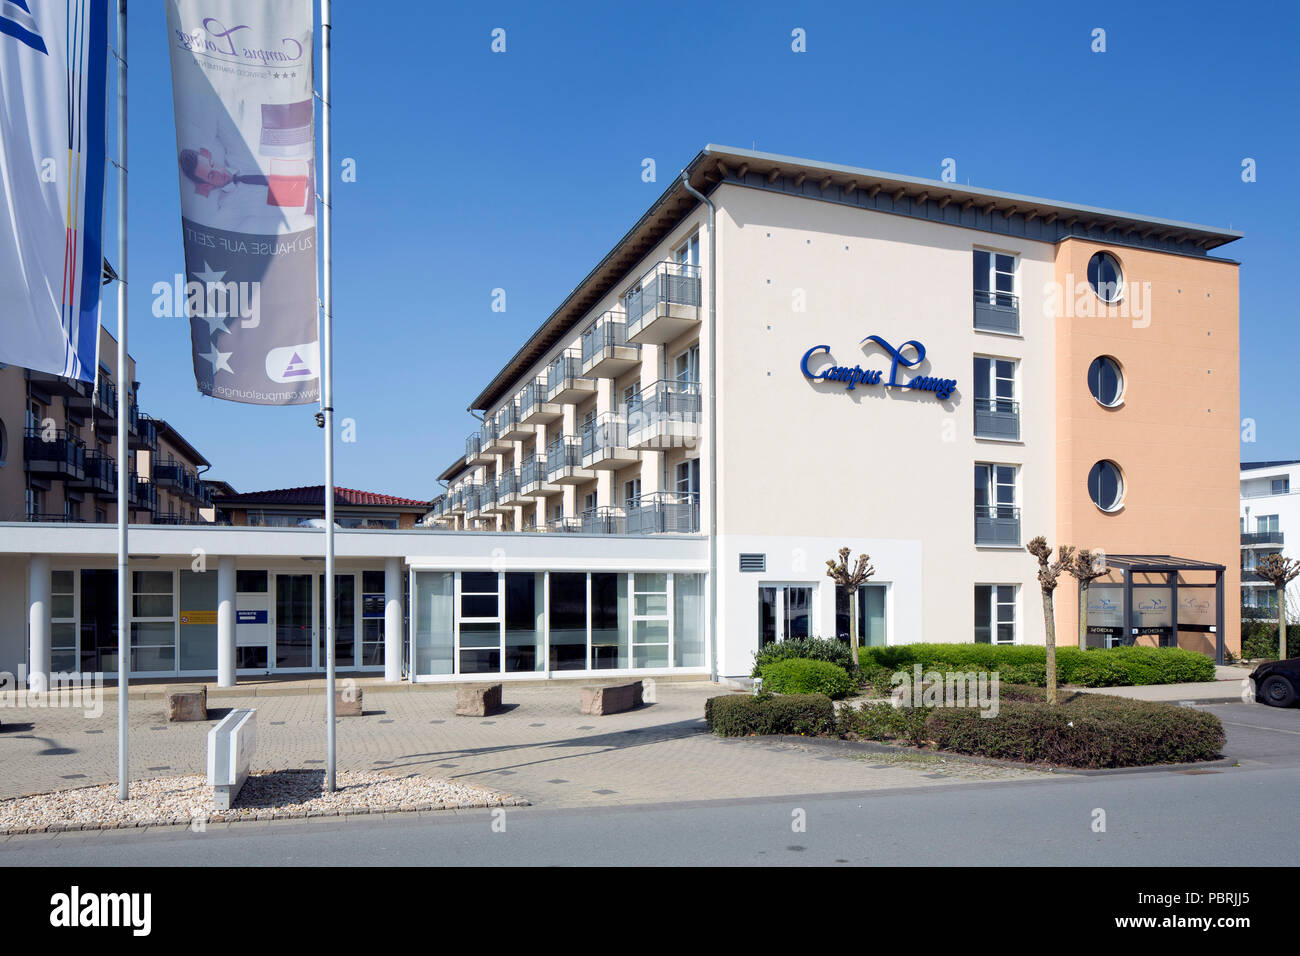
(606, 352)
(604, 444)
(665, 305)
(455, 502)
(997, 312)
(564, 463)
(488, 503)
(532, 479)
(1256, 538)
(474, 453)
(565, 383)
(141, 495)
(997, 525)
(663, 512)
(604, 520)
(534, 409)
(57, 385)
(54, 454)
(509, 426)
(473, 499)
(174, 476)
(142, 430)
(100, 476)
(997, 418)
(664, 415)
(564, 525)
(490, 439)
(508, 490)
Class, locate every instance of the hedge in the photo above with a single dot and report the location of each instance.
(1259, 640)
(806, 648)
(1087, 731)
(800, 676)
(1027, 664)
(735, 715)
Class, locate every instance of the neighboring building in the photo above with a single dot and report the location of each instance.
(1270, 511)
(214, 489)
(305, 507)
(708, 418)
(58, 450)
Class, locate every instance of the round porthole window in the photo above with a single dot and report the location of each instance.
(1106, 381)
(1106, 277)
(1106, 486)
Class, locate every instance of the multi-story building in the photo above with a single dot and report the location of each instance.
(58, 450)
(781, 358)
(1270, 511)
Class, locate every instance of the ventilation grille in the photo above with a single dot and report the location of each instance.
(756, 563)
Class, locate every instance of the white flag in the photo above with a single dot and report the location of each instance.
(53, 118)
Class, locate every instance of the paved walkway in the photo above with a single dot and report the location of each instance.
(541, 748)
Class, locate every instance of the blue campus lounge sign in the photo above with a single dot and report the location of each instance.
(856, 375)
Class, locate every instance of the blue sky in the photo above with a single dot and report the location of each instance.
(519, 170)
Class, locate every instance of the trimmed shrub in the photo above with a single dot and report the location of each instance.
(884, 721)
(1027, 664)
(808, 648)
(800, 676)
(735, 715)
(1089, 731)
(1259, 640)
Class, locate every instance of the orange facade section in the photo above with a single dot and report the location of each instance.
(1174, 433)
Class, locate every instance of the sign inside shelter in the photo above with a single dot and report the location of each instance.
(853, 376)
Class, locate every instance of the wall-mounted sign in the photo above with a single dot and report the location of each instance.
(1152, 608)
(1196, 606)
(1105, 606)
(853, 376)
(250, 617)
(198, 617)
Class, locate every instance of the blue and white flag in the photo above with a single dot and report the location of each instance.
(53, 120)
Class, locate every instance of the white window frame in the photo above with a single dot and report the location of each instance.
(991, 281)
(687, 253)
(996, 601)
(634, 617)
(459, 618)
(994, 377)
(993, 484)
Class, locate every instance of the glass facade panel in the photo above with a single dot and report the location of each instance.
(153, 645)
(434, 626)
(524, 624)
(293, 624)
(568, 621)
(688, 620)
(345, 620)
(198, 628)
(609, 634)
(480, 647)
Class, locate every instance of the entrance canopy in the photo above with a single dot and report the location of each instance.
(1158, 600)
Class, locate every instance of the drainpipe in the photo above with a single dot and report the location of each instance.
(713, 424)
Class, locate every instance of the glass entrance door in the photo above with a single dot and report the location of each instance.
(294, 626)
(345, 621)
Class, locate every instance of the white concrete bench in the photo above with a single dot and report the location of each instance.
(230, 752)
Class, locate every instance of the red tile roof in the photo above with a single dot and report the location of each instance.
(314, 495)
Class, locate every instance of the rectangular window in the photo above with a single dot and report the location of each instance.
(198, 637)
(1282, 486)
(688, 477)
(434, 622)
(568, 621)
(995, 613)
(995, 489)
(871, 615)
(631, 492)
(373, 601)
(688, 253)
(63, 622)
(153, 621)
(650, 620)
(479, 623)
(688, 620)
(995, 382)
(995, 273)
(1266, 523)
(784, 612)
(686, 367)
(609, 616)
(525, 600)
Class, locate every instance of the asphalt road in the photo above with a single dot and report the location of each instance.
(1228, 815)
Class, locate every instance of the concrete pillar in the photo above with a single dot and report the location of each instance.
(393, 620)
(38, 624)
(226, 621)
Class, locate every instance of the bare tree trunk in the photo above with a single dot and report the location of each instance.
(1083, 615)
(853, 627)
(1050, 619)
(1281, 623)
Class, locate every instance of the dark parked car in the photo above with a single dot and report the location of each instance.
(1277, 683)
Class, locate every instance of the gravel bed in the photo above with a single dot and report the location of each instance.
(276, 795)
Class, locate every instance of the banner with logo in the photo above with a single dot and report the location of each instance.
(53, 119)
(245, 156)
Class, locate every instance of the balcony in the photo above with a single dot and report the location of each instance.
(604, 444)
(142, 432)
(490, 439)
(665, 305)
(665, 415)
(509, 426)
(141, 495)
(997, 526)
(58, 385)
(100, 476)
(564, 525)
(564, 463)
(997, 418)
(474, 453)
(508, 490)
(534, 409)
(171, 517)
(997, 312)
(664, 512)
(63, 455)
(487, 500)
(455, 503)
(53, 517)
(532, 479)
(604, 520)
(1251, 539)
(565, 384)
(606, 352)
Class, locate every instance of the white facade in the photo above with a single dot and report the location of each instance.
(1270, 524)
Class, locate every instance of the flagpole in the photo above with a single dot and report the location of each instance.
(324, 176)
(123, 393)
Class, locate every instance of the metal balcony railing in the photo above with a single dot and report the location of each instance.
(665, 400)
(668, 282)
(564, 525)
(487, 433)
(63, 454)
(1250, 538)
(997, 525)
(607, 333)
(54, 517)
(532, 397)
(508, 485)
(608, 431)
(663, 512)
(142, 495)
(565, 369)
(997, 418)
(531, 472)
(101, 474)
(604, 520)
(473, 447)
(562, 454)
(507, 419)
(997, 311)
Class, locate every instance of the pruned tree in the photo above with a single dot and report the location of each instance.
(1049, 573)
(1085, 567)
(850, 579)
(1279, 572)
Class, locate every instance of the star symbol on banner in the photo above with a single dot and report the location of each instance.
(208, 275)
(218, 360)
(216, 323)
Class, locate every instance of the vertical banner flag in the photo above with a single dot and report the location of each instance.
(245, 154)
(53, 122)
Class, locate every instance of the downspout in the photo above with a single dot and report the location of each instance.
(713, 424)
